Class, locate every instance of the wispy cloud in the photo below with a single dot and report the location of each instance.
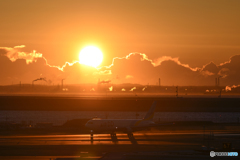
(14, 53)
(158, 62)
(21, 46)
(128, 76)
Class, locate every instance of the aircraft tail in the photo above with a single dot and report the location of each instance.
(150, 113)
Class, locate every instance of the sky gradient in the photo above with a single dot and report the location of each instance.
(193, 32)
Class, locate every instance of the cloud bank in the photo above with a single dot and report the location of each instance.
(17, 65)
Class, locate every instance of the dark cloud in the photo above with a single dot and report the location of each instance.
(17, 65)
(230, 71)
(19, 70)
(137, 68)
(79, 73)
(211, 67)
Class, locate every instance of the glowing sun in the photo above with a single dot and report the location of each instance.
(91, 56)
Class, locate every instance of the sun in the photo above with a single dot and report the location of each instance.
(91, 56)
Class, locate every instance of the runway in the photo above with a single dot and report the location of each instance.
(82, 144)
(167, 138)
(98, 139)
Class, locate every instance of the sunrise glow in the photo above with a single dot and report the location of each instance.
(91, 56)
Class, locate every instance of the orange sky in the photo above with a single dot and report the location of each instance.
(186, 29)
(196, 32)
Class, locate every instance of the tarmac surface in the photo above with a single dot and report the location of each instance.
(168, 145)
(181, 142)
(120, 103)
